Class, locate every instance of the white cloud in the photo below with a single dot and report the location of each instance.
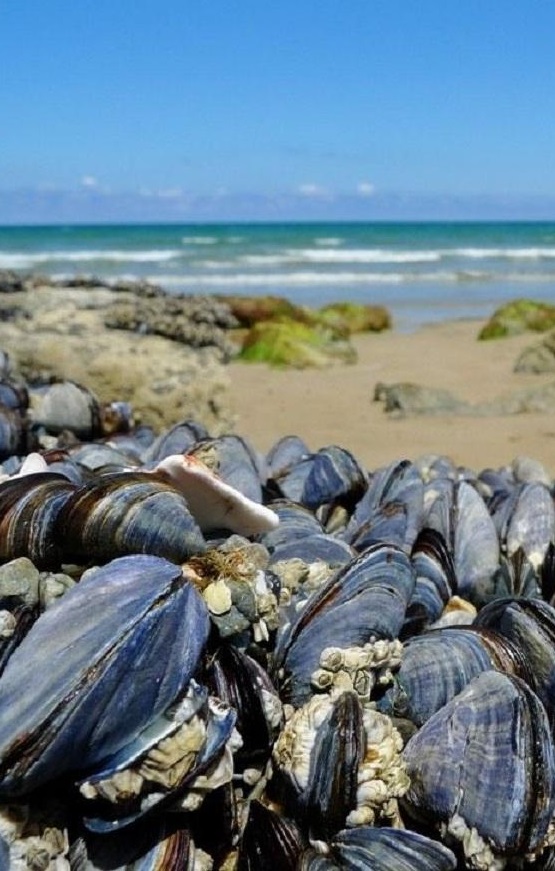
(312, 190)
(365, 189)
(169, 193)
(89, 181)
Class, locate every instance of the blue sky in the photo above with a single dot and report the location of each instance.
(240, 109)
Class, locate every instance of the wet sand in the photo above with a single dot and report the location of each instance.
(336, 405)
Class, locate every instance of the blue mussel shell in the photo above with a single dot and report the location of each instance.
(95, 669)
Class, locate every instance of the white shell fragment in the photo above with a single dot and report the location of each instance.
(212, 502)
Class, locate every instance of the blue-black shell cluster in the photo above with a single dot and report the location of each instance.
(367, 684)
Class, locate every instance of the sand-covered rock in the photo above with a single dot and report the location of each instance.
(539, 357)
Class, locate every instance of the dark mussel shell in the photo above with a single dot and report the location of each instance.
(239, 681)
(323, 799)
(124, 513)
(179, 439)
(95, 671)
(366, 599)
(380, 849)
(13, 433)
(66, 405)
(529, 522)
(460, 514)
(269, 838)
(435, 582)
(334, 478)
(29, 509)
(486, 761)
(285, 454)
(529, 625)
(159, 845)
(437, 665)
(394, 501)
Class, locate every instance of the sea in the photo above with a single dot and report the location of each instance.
(422, 272)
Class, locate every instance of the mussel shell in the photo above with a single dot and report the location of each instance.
(124, 513)
(531, 527)
(437, 665)
(12, 432)
(66, 405)
(367, 598)
(460, 514)
(435, 583)
(29, 509)
(239, 681)
(284, 454)
(14, 395)
(104, 817)
(295, 522)
(529, 624)
(159, 845)
(334, 477)
(367, 848)
(95, 669)
(334, 761)
(268, 834)
(400, 486)
(179, 439)
(487, 757)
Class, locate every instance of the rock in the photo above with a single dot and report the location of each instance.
(60, 334)
(298, 345)
(518, 316)
(538, 358)
(10, 282)
(407, 398)
(196, 321)
(250, 310)
(356, 317)
(533, 399)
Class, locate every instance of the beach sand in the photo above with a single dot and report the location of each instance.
(336, 406)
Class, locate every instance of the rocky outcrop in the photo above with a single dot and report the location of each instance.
(58, 331)
(196, 321)
(518, 316)
(538, 358)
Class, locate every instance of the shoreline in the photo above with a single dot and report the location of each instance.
(336, 405)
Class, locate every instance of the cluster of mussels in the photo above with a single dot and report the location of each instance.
(215, 660)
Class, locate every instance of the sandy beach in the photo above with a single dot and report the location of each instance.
(336, 405)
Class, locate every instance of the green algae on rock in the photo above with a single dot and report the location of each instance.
(250, 310)
(289, 343)
(356, 317)
(518, 316)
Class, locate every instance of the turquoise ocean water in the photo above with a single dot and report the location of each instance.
(423, 272)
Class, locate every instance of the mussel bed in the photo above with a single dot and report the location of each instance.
(214, 659)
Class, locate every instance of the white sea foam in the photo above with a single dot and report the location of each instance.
(363, 255)
(285, 279)
(199, 240)
(511, 253)
(28, 261)
(332, 241)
